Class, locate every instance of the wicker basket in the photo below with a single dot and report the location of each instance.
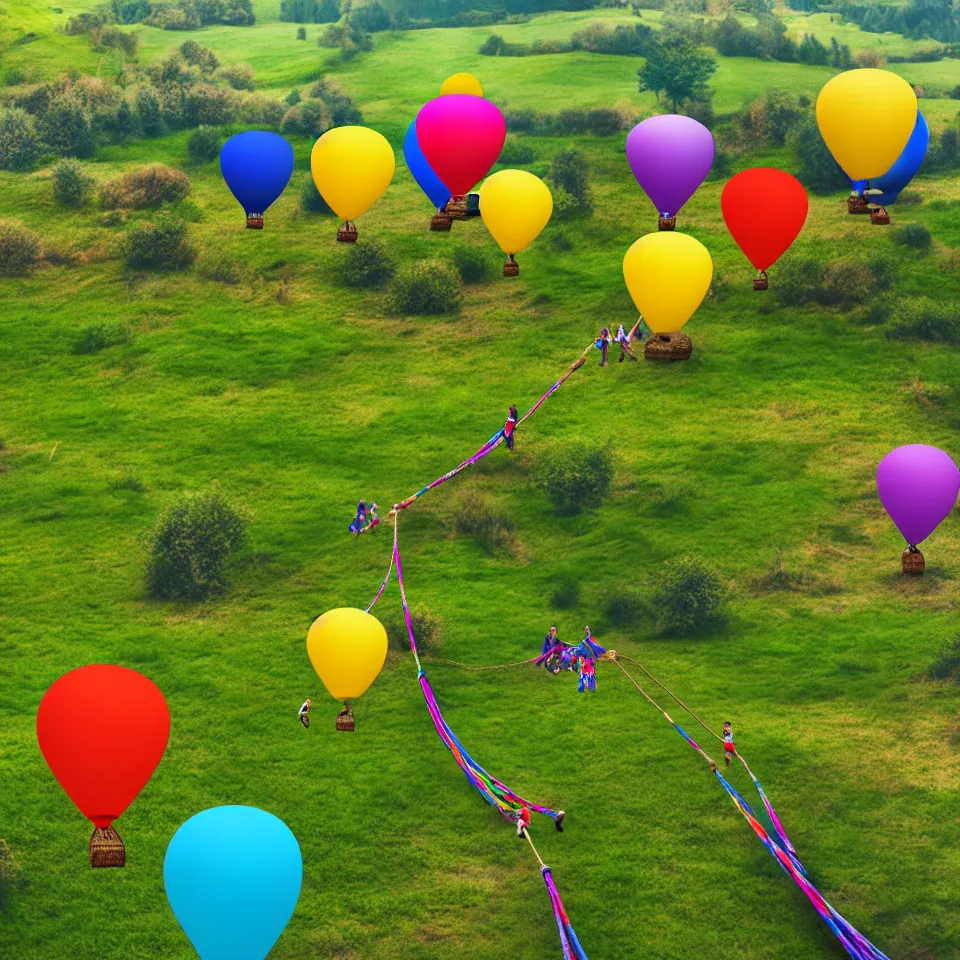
(668, 346)
(913, 561)
(668, 223)
(510, 267)
(857, 204)
(760, 281)
(345, 717)
(254, 221)
(879, 215)
(347, 233)
(456, 208)
(106, 848)
(440, 222)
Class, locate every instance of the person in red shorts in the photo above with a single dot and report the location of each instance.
(729, 750)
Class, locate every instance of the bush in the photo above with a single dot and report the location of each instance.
(426, 287)
(476, 514)
(149, 186)
(72, 185)
(870, 58)
(569, 172)
(311, 201)
(947, 664)
(65, 128)
(575, 476)
(914, 235)
(845, 282)
(190, 546)
(160, 245)
(99, 336)
(20, 145)
(925, 319)
(471, 263)
(427, 631)
(560, 241)
(301, 33)
(148, 112)
(368, 265)
(198, 56)
(203, 146)
(218, 265)
(239, 76)
(772, 117)
(265, 113)
(516, 153)
(566, 594)
(309, 118)
(624, 609)
(689, 598)
(19, 249)
(818, 170)
(799, 280)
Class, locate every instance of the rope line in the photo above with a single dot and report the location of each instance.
(496, 666)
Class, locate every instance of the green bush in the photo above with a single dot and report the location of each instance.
(218, 265)
(99, 336)
(689, 598)
(569, 171)
(566, 594)
(845, 282)
(239, 76)
(885, 270)
(20, 145)
(426, 287)
(368, 265)
(159, 245)
(560, 241)
(913, 235)
(427, 631)
(203, 146)
(72, 185)
(624, 609)
(149, 186)
(477, 515)
(191, 544)
(947, 664)
(308, 118)
(925, 319)
(19, 249)
(311, 200)
(575, 476)
(301, 33)
(471, 263)
(516, 153)
(65, 128)
(798, 280)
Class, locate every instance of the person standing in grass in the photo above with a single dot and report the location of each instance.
(602, 343)
(510, 426)
(551, 653)
(729, 750)
(360, 520)
(304, 713)
(625, 339)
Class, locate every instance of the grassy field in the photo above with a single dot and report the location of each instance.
(299, 396)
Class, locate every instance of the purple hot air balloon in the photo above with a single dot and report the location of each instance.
(918, 486)
(670, 156)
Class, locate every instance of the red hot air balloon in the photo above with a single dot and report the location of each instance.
(461, 137)
(102, 730)
(764, 209)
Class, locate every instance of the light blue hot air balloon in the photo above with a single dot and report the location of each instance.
(232, 876)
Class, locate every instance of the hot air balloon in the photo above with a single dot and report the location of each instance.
(462, 83)
(426, 179)
(102, 730)
(764, 209)
(347, 648)
(256, 166)
(352, 167)
(515, 206)
(670, 156)
(461, 136)
(668, 275)
(892, 183)
(232, 876)
(918, 486)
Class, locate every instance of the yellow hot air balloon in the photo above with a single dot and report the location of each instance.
(515, 206)
(668, 275)
(347, 648)
(866, 118)
(351, 167)
(462, 83)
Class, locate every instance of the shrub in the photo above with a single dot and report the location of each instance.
(19, 249)
(128, 481)
(471, 263)
(818, 169)
(925, 319)
(148, 112)
(560, 241)
(885, 270)
(311, 200)
(190, 546)
(99, 336)
(772, 117)
(569, 172)
(689, 598)
(309, 118)
(947, 664)
(799, 280)
(870, 57)
(516, 153)
(160, 245)
(218, 265)
(293, 97)
(65, 128)
(914, 235)
(566, 594)
(198, 56)
(426, 287)
(301, 33)
(846, 281)
(476, 514)
(72, 185)
(239, 76)
(575, 476)
(264, 112)
(10, 872)
(149, 186)
(20, 145)
(203, 146)
(427, 630)
(368, 265)
(624, 609)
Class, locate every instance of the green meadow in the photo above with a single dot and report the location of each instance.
(299, 396)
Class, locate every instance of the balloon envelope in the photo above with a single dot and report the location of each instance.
(461, 136)
(908, 163)
(462, 83)
(764, 209)
(866, 117)
(515, 206)
(352, 167)
(670, 156)
(347, 648)
(232, 876)
(668, 275)
(918, 486)
(417, 164)
(256, 166)
(102, 730)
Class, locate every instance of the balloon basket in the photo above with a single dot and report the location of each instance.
(347, 233)
(254, 221)
(668, 223)
(913, 562)
(456, 208)
(760, 282)
(880, 216)
(106, 848)
(345, 717)
(510, 267)
(440, 223)
(857, 204)
(668, 346)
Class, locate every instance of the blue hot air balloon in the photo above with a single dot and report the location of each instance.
(906, 167)
(257, 166)
(232, 876)
(417, 163)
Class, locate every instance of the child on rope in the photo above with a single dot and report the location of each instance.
(602, 343)
(374, 515)
(729, 750)
(360, 520)
(304, 713)
(523, 821)
(625, 339)
(510, 426)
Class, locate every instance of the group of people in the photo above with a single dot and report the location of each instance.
(366, 516)
(557, 655)
(602, 343)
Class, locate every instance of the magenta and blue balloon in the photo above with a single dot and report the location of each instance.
(918, 486)
(907, 165)
(417, 164)
(670, 156)
(256, 166)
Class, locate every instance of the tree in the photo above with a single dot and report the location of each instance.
(19, 144)
(569, 171)
(818, 170)
(677, 69)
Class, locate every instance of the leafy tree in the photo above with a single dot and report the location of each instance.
(148, 113)
(65, 129)
(301, 33)
(198, 56)
(575, 476)
(569, 171)
(372, 17)
(818, 170)
(203, 146)
(689, 597)
(812, 51)
(19, 249)
(678, 70)
(72, 184)
(20, 145)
